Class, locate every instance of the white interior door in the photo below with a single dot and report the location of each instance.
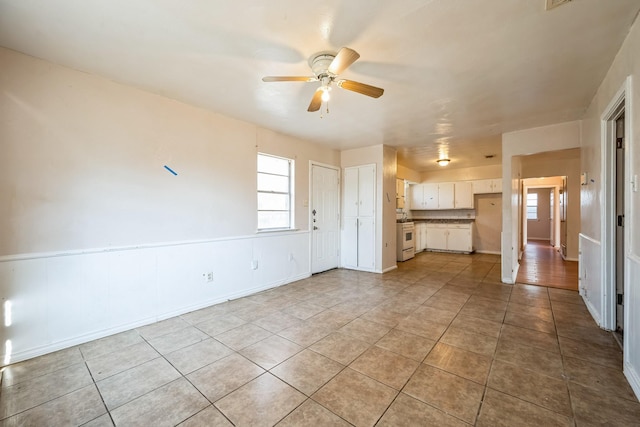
(325, 220)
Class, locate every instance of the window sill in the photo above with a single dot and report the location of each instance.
(277, 230)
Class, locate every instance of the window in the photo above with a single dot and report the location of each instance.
(275, 189)
(532, 205)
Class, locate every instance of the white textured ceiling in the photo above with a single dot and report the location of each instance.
(456, 73)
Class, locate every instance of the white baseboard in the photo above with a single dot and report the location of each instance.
(633, 377)
(489, 252)
(393, 267)
(593, 311)
(538, 238)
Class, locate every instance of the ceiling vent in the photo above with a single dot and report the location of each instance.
(550, 4)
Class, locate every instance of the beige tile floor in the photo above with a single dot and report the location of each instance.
(437, 342)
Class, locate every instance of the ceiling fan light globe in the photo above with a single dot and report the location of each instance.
(443, 162)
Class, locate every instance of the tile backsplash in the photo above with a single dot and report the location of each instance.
(444, 214)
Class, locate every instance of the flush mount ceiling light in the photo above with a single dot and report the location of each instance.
(443, 162)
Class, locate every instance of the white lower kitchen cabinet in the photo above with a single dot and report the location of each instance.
(420, 236)
(460, 238)
(437, 237)
(450, 237)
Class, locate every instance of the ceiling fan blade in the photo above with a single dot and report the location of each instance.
(343, 60)
(316, 101)
(289, 79)
(372, 91)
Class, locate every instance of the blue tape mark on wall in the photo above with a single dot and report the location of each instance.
(170, 170)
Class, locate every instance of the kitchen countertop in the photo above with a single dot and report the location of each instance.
(446, 221)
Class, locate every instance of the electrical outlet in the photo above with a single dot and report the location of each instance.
(290, 256)
(254, 264)
(208, 277)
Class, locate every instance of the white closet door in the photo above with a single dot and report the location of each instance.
(367, 190)
(366, 242)
(351, 198)
(350, 242)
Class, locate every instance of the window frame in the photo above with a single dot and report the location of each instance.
(289, 194)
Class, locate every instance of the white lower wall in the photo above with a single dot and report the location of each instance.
(63, 299)
(632, 325)
(590, 275)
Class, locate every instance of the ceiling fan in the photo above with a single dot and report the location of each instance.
(326, 67)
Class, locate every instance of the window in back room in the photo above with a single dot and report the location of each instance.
(532, 205)
(275, 193)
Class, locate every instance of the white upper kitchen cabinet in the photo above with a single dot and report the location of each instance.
(485, 186)
(416, 199)
(446, 195)
(463, 195)
(431, 193)
(424, 196)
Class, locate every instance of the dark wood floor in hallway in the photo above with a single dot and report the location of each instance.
(543, 265)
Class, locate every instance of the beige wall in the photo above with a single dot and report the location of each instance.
(408, 174)
(464, 174)
(488, 223)
(623, 75)
(82, 164)
(389, 173)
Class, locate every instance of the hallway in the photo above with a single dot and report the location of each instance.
(542, 265)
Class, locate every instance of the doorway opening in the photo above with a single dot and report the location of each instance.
(544, 212)
(616, 190)
(619, 235)
(544, 234)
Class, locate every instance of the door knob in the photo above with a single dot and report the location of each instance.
(315, 228)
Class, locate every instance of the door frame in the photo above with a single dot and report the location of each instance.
(620, 103)
(313, 163)
(555, 226)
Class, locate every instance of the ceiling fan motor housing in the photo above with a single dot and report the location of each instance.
(319, 64)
